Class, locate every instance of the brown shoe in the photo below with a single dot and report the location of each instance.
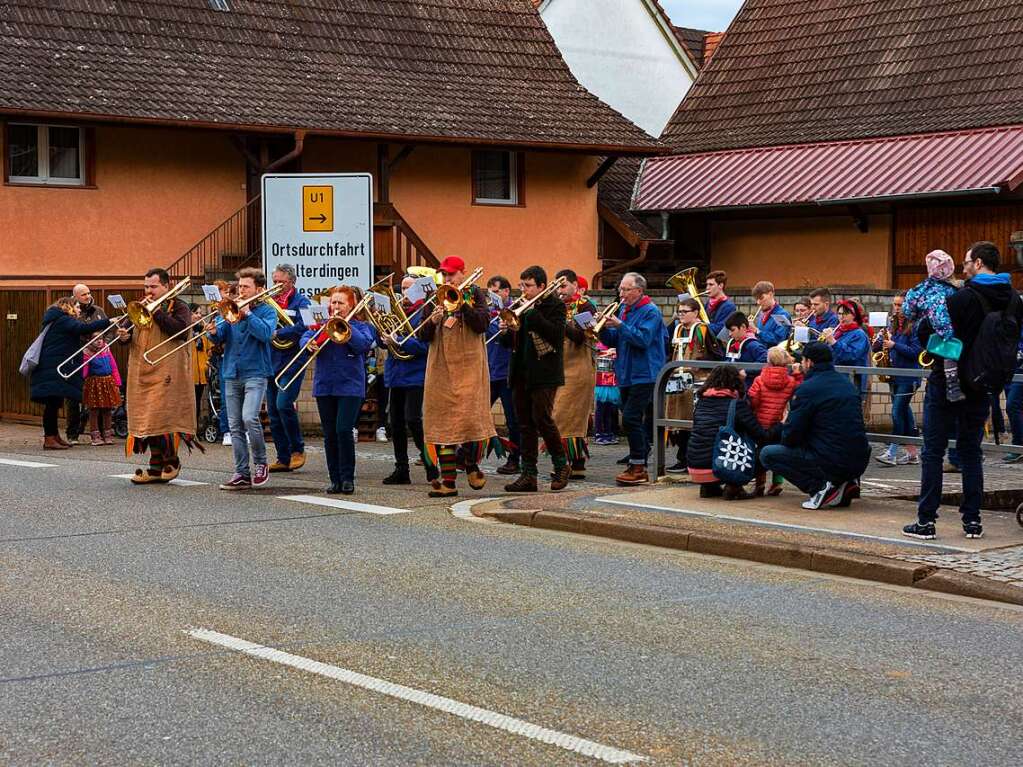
(297, 461)
(635, 474)
(735, 493)
(477, 479)
(511, 467)
(170, 471)
(54, 443)
(561, 477)
(64, 442)
(775, 489)
(440, 489)
(526, 483)
(278, 466)
(145, 476)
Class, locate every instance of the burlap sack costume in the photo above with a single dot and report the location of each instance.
(574, 401)
(161, 397)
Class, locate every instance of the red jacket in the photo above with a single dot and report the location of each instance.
(771, 392)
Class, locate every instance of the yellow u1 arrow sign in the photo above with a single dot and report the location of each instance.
(317, 209)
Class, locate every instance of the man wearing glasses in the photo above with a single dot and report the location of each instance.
(639, 335)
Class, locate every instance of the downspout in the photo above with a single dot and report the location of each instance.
(293, 154)
(598, 278)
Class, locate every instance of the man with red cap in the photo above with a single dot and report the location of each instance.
(456, 401)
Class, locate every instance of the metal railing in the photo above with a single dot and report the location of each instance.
(660, 423)
(234, 244)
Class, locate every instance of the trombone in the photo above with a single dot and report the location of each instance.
(229, 311)
(451, 298)
(138, 313)
(336, 329)
(512, 315)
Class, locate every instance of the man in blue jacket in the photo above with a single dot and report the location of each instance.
(639, 335)
(821, 317)
(719, 306)
(771, 323)
(404, 381)
(280, 403)
(498, 358)
(824, 448)
(246, 367)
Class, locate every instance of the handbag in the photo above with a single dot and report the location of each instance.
(30, 361)
(734, 456)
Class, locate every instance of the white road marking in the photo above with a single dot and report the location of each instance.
(27, 464)
(336, 503)
(463, 510)
(447, 705)
(785, 525)
(180, 482)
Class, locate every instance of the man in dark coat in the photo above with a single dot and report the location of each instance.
(535, 371)
(824, 447)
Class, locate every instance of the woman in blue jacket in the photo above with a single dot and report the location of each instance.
(903, 349)
(849, 342)
(49, 388)
(339, 386)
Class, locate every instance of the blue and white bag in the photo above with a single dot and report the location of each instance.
(734, 456)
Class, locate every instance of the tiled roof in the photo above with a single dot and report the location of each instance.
(462, 70)
(795, 71)
(692, 39)
(615, 192)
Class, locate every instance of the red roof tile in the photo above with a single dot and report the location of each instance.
(795, 71)
(693, 41)
(461, 70)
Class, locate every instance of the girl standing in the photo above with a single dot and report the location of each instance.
(102, 392)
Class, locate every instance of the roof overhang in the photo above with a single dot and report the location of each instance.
(922, 166)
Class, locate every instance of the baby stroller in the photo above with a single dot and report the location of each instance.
(209, 418)
(118, 419)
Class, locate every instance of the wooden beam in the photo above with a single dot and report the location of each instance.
(603, 168)
(398, 158)
(383, 173)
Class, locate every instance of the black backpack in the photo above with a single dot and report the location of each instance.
(989, 361)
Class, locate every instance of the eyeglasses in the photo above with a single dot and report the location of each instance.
(687, 311)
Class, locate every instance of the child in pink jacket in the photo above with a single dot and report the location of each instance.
(102, 391)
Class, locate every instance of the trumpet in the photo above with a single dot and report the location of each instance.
(138, 313)
(336, 329)
(451, 298)
(601, 319)
(229, 311)
(512, 315)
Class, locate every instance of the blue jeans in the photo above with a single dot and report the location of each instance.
(798, 465)
(244, 399)
(501, 390)
(1014, 410)
(903, 422)
(284, 426)
(965, 420)
(338, 416)
(636, 401)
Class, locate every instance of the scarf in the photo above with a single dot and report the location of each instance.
(284, 297)
(845, 327)
(714, 303)
(641, 302)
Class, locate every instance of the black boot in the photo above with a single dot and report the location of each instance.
(711, 490)
(400, 476)
(526, 483)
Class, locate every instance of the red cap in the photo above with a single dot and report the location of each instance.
(452, 264)
(582, 283)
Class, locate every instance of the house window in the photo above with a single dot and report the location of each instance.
(45, 154)
(497, 178)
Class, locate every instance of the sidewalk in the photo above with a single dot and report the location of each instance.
(863, 541)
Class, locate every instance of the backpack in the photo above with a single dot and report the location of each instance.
(31, 359)
(733, 459)
(990, 361)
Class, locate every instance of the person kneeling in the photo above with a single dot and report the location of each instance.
(824, 448)
(722, 387)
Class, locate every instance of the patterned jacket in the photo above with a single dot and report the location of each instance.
(928, 299)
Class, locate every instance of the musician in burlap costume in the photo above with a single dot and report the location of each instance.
(574, 401)
(161, 401)
(690, 339)
(456, 391)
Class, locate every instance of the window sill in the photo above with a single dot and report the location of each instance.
(498, 204)
(30, 185)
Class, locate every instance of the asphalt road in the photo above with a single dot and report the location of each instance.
(661, 655)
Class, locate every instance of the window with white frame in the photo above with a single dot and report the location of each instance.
(44, 154)
(496, 178)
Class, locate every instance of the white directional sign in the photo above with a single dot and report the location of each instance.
(322, 224)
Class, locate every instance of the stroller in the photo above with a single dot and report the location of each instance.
(209, 419)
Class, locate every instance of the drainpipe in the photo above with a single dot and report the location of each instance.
(598, 278)
(296, 152)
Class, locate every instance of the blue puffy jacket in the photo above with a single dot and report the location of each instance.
(278, 357)
(640, 342)
(404, 373)
(341, 368)
(826, 417)
(247, 344)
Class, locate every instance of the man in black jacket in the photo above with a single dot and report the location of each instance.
(965, 419)
(535, 371)
(824, 447)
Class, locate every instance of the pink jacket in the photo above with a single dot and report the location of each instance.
(104, 355)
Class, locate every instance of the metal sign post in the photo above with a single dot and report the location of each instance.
(322, 224)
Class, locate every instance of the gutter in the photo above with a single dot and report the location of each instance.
(293, 154)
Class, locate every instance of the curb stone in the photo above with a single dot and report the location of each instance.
(843, 563)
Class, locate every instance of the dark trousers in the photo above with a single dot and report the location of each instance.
(1014, 410)
(636, 401)
(965, 421)
(338, 416)
(73, 419)
(405, 408)
(199, 388)
(284, 424)
(500, 390)
(799, 466)
(535, 409)
(605, 420)
(997, 417)
(51, 410)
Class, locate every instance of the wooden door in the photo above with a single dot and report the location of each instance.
(22, 312)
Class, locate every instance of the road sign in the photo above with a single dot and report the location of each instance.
(321, 224)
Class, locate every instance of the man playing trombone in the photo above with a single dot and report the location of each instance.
(280, 403)
(162, 410)
(536, 370)
(245, 369)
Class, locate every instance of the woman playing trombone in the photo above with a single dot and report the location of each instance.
(339, 385)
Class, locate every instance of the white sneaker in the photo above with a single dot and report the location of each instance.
(227, 439)
(829, 495)
(381, 434)
(888, 458)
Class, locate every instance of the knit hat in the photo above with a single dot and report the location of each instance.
(939, 265)
(817, 352)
